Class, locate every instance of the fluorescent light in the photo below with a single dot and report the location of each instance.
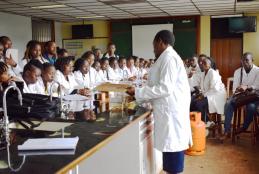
(227, 16)
(88, 17)
(49, 6)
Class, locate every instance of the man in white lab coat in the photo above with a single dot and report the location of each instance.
(169, 93)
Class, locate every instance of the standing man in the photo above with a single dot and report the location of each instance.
(169, 93)
(111, 48)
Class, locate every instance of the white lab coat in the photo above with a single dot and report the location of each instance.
(132, 71)
(121, 71)
(112, 74)
(213, 88)
(23, 62)
(169, 93)
(103, 75)
(251, 79)
(31, 88)
(67, 86)
(141, 72)
(46, 91)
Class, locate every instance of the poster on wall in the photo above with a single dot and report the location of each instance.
(76, 47)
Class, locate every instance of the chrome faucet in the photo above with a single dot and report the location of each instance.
(6, 120)
(59, 91)
(61, 109)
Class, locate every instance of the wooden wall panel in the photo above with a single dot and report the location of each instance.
(227, 53)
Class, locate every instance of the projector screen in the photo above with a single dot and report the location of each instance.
(143, 36)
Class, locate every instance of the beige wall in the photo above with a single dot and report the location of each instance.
(251, 41)
(205, 35)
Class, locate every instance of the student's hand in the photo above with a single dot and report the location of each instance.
(145, 77)
(10, 61)
(241, 88)
(13, 79)
(84, 92)
(132, 78)
(131, 91)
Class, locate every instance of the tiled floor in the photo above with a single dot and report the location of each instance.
(227, 158)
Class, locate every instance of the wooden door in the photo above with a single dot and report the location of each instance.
(227, 53)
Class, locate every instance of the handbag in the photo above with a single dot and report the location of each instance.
(34, 105)
(245, 97)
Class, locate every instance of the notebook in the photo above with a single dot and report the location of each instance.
(49, 144)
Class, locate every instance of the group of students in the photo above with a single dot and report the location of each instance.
(209, 93)
(39, 70)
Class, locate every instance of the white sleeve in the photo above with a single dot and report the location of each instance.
(214, 83)
(165, 86)
(236, 80)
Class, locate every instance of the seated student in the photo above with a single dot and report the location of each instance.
(50, 52)
(113, 69)
(61, 52)
(186, 63)
(213, 92)
(47, 77)
(82, 73)
(123, 73)
(111, 48)
(103, 73)
(142, 69)
(194, 67)
(245, 77)
(65, 77)
(14, 68)
(4, 75)
(30, 76)
(131, 69)
(89, 56)
(97, 67)
(33, 51)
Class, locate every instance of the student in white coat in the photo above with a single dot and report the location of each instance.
(94, 77)
(131, 69)
(123, 73)
(113, 69)
(169, 93)
(33, 51)
(66, 78)
(82, 73)
(47, 79)
(103, 72)
(213, 91)
(245, 77)
(31, 75)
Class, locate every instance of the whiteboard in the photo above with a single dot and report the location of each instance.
(143, 36)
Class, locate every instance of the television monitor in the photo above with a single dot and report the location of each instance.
(82, 31)
(242, 24)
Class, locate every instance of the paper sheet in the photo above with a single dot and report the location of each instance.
(75, 97)
(44, 126)
(49, 144)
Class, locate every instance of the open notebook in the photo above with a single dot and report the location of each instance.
(49, 144)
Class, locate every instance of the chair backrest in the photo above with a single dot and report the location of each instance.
(229, 86)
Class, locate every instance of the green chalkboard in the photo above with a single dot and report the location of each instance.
(122, 38)
(184, 31)
(185, 42)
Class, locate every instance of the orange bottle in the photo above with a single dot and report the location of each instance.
(198, 135)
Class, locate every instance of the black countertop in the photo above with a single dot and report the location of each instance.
(89, 133)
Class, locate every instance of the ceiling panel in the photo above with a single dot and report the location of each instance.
(149, 8)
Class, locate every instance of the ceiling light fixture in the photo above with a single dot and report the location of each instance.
(227, 16)
(88, 17)
(49, 6)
